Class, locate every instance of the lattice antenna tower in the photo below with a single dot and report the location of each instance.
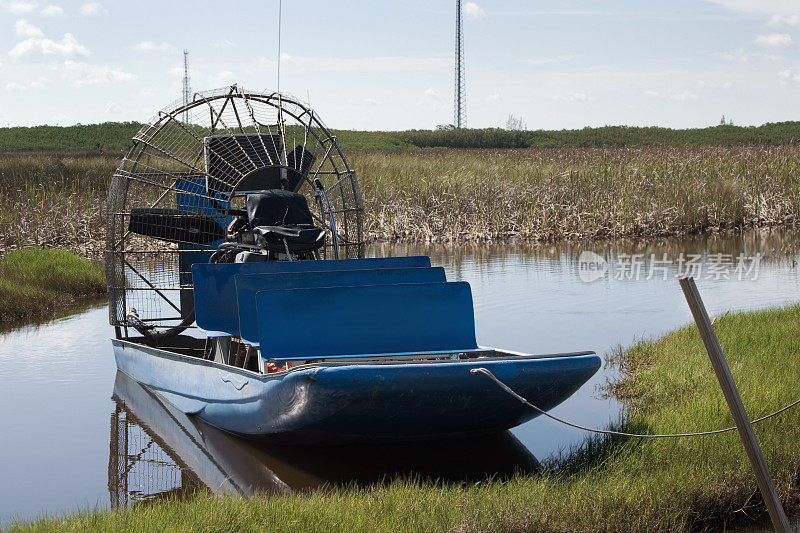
(460, 97)
(186, 90)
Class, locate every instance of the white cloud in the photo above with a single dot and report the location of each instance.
(739, 56)
(25, 29)
(433, 98)
(18, 87)
(775, 40)
(150, 46)
(714, 85)
(767, 7)
(547, 60)
(678, 96)
(742, 56)
(473, 11)
(82, 74)
(37, 45)
(784, 20)
(683, 96)
(359, 64)
(90, 9)
(52, 11)
(495, 97)
(574, 97)
(113, 108)
(223, 77)
(20, 8)
(225, 43)
(790, 76)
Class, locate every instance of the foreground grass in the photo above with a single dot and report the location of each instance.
(605, 485)
(36, 282)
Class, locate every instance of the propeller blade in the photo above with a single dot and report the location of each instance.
(174, 225)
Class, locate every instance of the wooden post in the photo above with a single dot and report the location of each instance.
(726, 383)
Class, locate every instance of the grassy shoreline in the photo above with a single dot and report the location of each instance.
(459, 196)
(37, 283)
(608, 484)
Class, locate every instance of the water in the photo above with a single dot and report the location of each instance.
(77, 436)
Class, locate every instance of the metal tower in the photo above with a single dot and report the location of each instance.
(460, 97)
(186, 89)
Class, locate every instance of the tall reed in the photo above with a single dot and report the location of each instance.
(576, 193)
(447, 195)
(54, 199)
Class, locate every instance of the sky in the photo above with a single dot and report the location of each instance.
(381, 65)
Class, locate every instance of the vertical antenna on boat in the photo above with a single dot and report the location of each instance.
(281, 124)
(279, 44)
(186, 89)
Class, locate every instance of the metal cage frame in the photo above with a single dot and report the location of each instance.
(166, 168)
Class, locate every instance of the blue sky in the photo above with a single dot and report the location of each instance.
(388, 65)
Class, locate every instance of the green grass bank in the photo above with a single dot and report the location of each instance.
(608, 484)
(36, 283)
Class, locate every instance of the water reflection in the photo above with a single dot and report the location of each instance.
(157, 451)
(774, 245)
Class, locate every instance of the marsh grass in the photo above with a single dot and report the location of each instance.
(54, 199)
(607, 484)
(449, 195)
(36, 283)
(576, 193)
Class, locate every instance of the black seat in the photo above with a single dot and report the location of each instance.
(284, 221)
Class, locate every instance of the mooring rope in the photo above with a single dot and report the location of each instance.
(511, 392)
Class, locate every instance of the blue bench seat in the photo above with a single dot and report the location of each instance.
(215, 288)
(247, 287)
(370, 320)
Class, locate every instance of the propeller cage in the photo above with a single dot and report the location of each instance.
(187, 178)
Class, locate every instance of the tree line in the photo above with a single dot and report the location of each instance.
(116, 136)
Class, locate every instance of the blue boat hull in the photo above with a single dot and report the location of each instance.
(328, 402)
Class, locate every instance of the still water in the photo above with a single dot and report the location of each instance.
(75, 435)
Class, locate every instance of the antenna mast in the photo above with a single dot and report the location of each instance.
(280, 7)
(186, 89)
(460, 97)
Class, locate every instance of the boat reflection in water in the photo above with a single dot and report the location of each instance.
(157, 451)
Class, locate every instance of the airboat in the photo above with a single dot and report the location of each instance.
(240, 292)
